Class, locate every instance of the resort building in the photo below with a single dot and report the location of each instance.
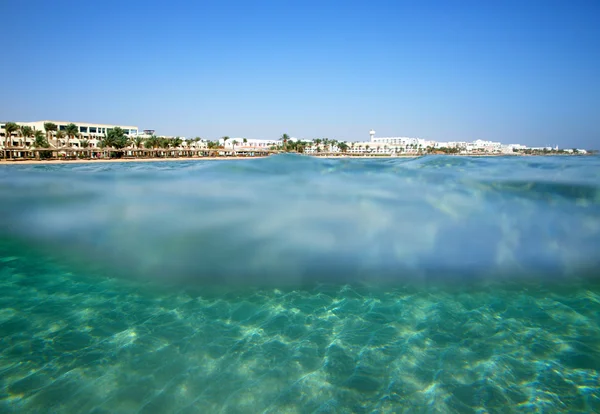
(250, 143)
(451, 144)
(86, 131)
(400, 144)
(484, 146)
(403, 141)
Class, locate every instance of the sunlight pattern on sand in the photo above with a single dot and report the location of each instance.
(83, 344)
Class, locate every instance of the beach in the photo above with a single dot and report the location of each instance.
(230, 158)
(112, 160)
(221, 158)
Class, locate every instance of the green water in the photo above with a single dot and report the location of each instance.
(86, 343)
(300, 285)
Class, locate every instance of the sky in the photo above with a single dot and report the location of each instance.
(511, 71)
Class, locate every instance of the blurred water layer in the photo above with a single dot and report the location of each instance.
(294, 219)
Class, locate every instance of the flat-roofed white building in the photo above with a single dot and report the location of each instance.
(365, 147)
(402, 144)
(250, 143)
(93, 133)
(485, 146)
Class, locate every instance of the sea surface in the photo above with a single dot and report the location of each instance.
(293, 284)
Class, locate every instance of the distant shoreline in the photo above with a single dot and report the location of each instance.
(109, 160)
(221, 158)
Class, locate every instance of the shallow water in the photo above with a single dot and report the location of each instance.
(293, 284)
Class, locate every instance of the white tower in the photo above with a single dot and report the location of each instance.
(372, 134)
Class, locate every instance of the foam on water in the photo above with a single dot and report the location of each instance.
(375, 330)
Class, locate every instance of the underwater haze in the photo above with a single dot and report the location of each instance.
(293, 284)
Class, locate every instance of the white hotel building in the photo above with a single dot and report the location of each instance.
(90, 132)
(250, 143)
(388, 145)
(399, 141)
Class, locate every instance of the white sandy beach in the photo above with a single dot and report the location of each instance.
(92, 161)
(102, 160)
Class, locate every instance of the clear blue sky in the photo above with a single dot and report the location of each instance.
(525, 71)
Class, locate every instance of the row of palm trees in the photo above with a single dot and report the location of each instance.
(326, 145)
(318, 144)
(116, 139)
(71, 131)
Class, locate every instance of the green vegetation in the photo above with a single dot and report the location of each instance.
(284, 139)
(72, 131)
(41, 141)
(115, 138)
(443, 150)
(26, 132)
(10, 127)
(137, 142)
(116, 144)
(50, 128)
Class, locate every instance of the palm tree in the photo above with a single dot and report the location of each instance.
(149, 144)
(39, 138)
(26, 132)
(59, 135)
(292, 146)
(9, 128)
(164, 143)
(154, 142)
(176, 143)
(284, 138)
(245, 141)
(137, 141)
(41, 142)
(317, 142)
(72, 131)
(115, 138)
(234, 143)
(225, 138)
(343, 146)
(50, 128)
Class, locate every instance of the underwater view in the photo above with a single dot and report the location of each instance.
(292, 284)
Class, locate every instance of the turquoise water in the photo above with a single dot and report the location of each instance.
(301, 285)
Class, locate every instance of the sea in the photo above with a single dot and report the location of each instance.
(294, 284)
